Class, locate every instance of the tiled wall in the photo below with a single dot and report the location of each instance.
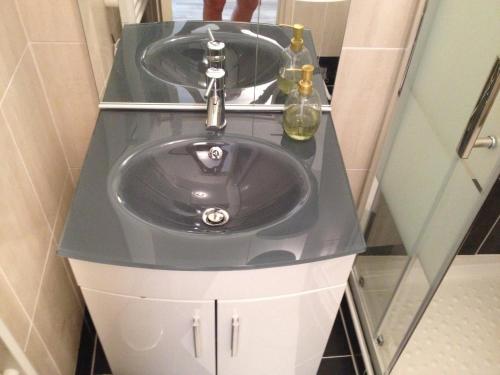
(102, 25)
(48, 106)
(375, 42)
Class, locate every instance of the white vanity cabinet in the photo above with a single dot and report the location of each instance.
(275, 336)
(268, 321)
(153, 336)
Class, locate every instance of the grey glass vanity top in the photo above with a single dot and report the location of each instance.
(149, 177)
(166, 62)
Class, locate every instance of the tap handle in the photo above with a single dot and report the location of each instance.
(210, 35)
(216, 77)
(215, 52)
(209, 87)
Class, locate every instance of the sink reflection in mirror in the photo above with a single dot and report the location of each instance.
(177, 64)
(182, 60)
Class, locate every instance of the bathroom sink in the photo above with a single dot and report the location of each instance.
(182, 60)
(210, 185)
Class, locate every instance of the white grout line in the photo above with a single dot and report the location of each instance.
(49, 105)
(42, 83)
(73, 43)
(373, 48)
(47, 256)
(336, 356)
(26, 170)
(14, 73)
(9, 341)
(487, 236)
(9, 285)
(39, 289)
(47, 350)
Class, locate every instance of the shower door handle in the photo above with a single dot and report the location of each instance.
(470, 138)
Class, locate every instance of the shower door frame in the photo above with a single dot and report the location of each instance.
(372, 330)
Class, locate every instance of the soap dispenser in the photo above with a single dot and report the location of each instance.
(292, 59)
(302, 108)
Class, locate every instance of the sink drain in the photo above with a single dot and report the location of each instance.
(215, 216)
(215, 153)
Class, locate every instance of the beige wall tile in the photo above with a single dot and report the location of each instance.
(102, 25)
(12, 41)
(76, 289)
(52, 20)
(12, 313)
(364, 84)
(27, 113)
(356, 181)
(39, 356)
(24, 233)
(336, 13)
(64, 205)
(379, 23)
(311, 15)
(58, 316)
(72, 93)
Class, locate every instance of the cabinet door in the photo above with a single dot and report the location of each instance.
(275, 336)
(143, 336)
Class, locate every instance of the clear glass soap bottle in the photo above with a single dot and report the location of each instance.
(292, 59)
(302, 108)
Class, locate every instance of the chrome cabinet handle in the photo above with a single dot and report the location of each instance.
(235, 333)
(196, 336)
(470, 138)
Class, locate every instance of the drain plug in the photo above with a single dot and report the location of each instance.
(215, 153)
(215, 216)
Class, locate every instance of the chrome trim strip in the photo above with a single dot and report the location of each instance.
(199, 107)
(365, 354)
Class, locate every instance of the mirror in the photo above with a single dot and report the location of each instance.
(166, 62)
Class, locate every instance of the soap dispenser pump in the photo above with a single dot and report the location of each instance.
(292, 59)
(302, 108)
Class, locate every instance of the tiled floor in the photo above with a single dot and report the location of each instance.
(342, 355)
(460, 330)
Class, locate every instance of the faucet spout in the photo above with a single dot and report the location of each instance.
(216, 112)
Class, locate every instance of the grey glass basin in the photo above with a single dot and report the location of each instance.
(226, 184)
(182, 60)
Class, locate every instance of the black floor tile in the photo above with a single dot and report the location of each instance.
(360, 364)
(336, 366)
(356, 350)
(482, 226)
(350, 327)
(101, 365)
(86, 350)
(337, 342)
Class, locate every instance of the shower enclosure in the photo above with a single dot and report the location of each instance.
(430, 180)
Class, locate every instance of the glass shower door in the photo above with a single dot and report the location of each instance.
(426, 194)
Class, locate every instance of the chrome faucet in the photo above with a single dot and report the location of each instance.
(216, 112)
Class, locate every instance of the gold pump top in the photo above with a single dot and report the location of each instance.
(297, 42)
(305, 84)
